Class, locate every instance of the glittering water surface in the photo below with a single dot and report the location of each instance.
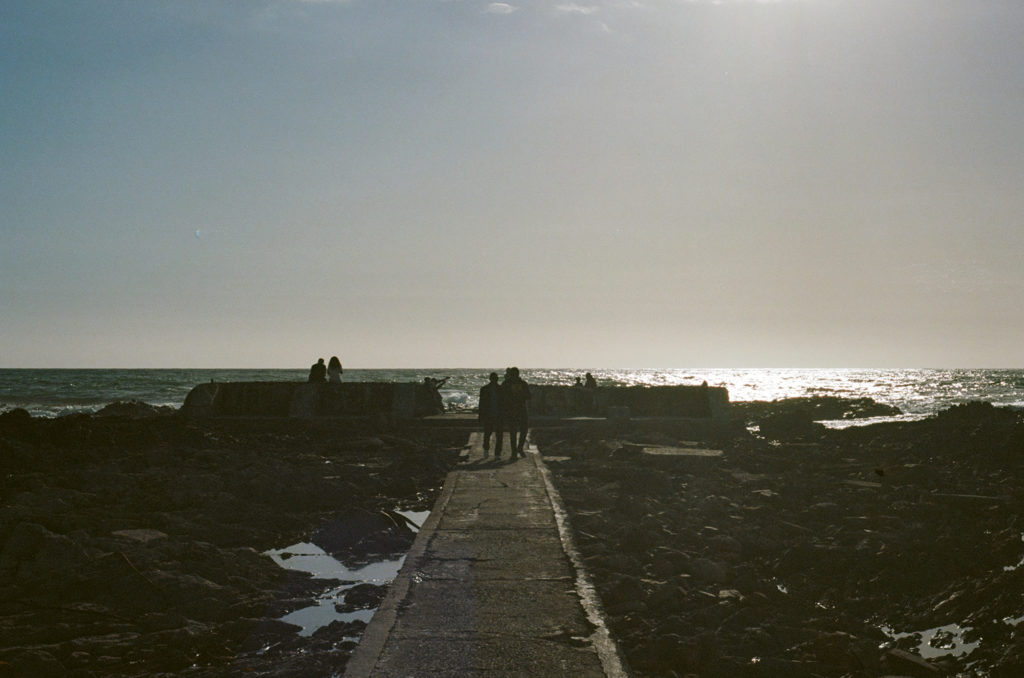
(917, 392)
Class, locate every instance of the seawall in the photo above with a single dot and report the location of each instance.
(410, 400)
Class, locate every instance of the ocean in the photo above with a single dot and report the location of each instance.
(917, 392)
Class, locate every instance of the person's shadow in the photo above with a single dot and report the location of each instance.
(487, 462)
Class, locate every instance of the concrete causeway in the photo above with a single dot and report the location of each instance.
(492, 586)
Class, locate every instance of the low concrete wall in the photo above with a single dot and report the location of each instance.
(698, 402)
(407, 400)
(302, 399)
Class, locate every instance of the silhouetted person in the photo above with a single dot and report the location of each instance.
(577, 382)
(591, 382)
(516, 395)
(334, 370)
(318, 372)
(491, 414)
(435, 395)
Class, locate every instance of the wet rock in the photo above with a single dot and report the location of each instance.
(667, 599)
(666, 562)
(791, 426)
(362, 597)
(641, 480)
(34, 553)
(905, 663)
(15, 415)
(373, 533)
(625, 595)
(340, 629)
(36, 663)
(134, 409)
(710, 571)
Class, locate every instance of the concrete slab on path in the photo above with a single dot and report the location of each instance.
(492, 587)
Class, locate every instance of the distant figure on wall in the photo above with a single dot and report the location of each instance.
(433, 387)
(491, 413)
(516, 394)
(577, 382)
(334, 370)
(591, 382)
(318, 372)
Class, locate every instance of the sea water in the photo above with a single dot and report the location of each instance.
(917, 392)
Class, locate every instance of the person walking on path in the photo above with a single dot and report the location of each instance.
(334, 370)
(491, 414)
(516, 396)
(318, 372)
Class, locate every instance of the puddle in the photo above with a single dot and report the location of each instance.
(941, 641)
(681, 452)
(308, 557)
(317, 616)
(1011, 568)
(415, 518)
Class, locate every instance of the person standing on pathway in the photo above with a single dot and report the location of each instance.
(491, 414)
(516, 394)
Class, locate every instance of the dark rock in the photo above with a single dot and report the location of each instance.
(363, 597)
(37, 664)
(709, 570)
(340, 629)
(625, 595)
(134, 409)
(791, 426)
(910, 664)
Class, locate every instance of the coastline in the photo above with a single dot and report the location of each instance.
(136, 544)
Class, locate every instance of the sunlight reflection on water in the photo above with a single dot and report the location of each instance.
(307, 557)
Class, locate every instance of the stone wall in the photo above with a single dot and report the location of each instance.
(302, 399)
(406, 400)
(697, 402)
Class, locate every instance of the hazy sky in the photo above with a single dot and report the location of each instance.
(607, 183)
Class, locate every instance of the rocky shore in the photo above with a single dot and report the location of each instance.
(804, 551)
(132, 542)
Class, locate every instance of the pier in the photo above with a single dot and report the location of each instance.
(492, 586)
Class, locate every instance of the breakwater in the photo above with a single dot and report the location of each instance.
(409, 400)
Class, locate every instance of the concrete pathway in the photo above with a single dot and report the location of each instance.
(492, 586)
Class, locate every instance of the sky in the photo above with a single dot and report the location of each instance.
(461, 183)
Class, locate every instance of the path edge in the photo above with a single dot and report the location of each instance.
(371, 644)
(612, 661)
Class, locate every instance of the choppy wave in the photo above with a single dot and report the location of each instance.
(917, 392)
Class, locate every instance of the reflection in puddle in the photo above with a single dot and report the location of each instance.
(941, 641)
(307, 557)
(416, 518)
(323, 613)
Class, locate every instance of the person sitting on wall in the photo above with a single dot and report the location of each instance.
(318, 372)
(591, 382)
(334, 370)
(491, 413)
(577, 382)
(433, 386)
